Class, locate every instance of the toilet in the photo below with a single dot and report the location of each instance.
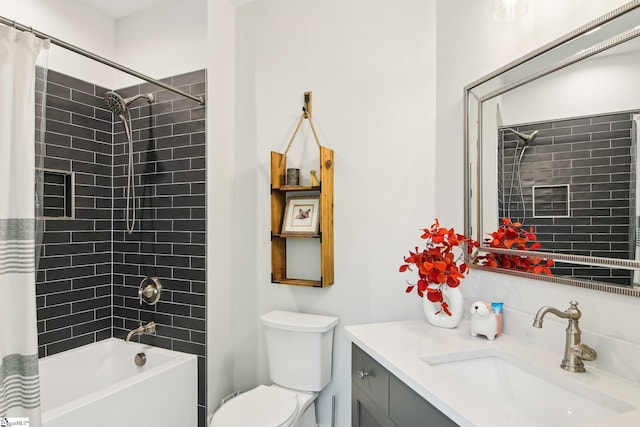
(300, 352)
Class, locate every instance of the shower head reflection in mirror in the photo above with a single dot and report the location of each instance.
(119, 106)
(515, 169)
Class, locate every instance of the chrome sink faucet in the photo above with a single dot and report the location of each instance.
(149, 328)
(574, 350)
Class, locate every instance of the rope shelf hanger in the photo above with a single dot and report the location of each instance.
(306, 114)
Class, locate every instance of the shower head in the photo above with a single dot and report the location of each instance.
(118, 105)
(527, 139)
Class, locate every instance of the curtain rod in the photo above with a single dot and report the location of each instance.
(199, 99)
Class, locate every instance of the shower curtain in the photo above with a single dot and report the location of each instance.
(19, 384)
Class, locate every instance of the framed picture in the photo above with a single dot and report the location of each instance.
(301, 215)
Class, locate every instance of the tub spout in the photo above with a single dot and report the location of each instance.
(149, 328)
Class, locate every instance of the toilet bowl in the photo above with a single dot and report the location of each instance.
(299, 351)
(272, 406)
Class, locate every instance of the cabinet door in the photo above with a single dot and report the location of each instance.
(365, 412)
(365, 419)
(371, 377)
(408, 409)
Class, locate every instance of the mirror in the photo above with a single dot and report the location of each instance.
(551, 142)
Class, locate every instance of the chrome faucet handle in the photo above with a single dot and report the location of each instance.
(574, 310)
(584, 352)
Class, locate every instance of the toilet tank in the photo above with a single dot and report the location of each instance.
(299, 349)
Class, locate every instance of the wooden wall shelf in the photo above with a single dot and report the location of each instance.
(279, 193)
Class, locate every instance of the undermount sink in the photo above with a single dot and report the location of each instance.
(522, 389)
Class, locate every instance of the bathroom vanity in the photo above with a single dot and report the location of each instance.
(409, 373)
(379, 398)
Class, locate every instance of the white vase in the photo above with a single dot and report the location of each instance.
(437, 316)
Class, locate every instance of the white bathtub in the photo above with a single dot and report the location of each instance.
(99, 385)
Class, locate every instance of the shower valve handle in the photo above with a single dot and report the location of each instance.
(149, 291)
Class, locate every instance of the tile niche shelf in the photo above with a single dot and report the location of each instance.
(279, 195)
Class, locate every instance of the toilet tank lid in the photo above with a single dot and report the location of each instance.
(303, 322)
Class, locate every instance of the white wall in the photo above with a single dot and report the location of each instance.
(370, 65)
(73, 22)
(222, 327)
(161, 41)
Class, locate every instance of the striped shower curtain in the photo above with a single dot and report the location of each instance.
(19, 384)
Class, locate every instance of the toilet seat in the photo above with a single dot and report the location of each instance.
(263, 406)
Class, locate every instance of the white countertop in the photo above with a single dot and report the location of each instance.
(399, 347)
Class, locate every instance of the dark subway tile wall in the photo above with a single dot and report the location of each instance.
(90, 268)
(74, 276)
(169, 237)
(593, 156)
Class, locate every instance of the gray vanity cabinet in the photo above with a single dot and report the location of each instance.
(369, 391)
(379, 399)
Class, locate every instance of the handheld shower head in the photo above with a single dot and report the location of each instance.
(118, 105)
(115, 103)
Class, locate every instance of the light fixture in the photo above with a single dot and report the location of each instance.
(508, 10)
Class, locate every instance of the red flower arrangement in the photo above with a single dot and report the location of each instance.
(437, 263)
(511, 235)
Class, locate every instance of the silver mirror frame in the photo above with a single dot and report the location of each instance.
(473, 101)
